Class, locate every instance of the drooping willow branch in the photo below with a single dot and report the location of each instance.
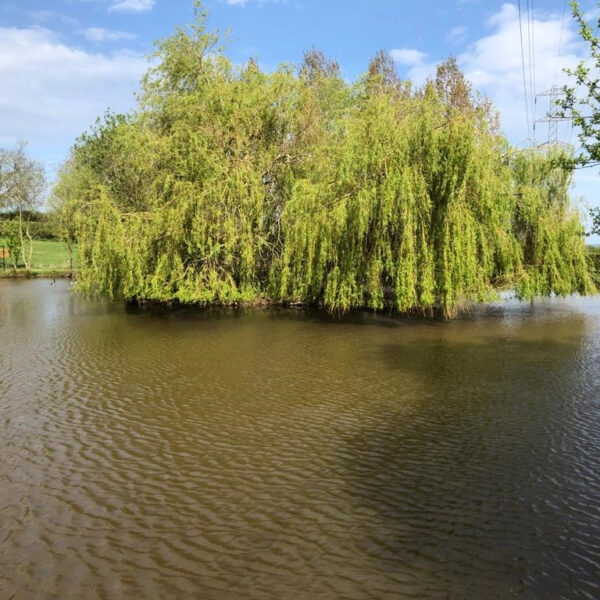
(234, 185)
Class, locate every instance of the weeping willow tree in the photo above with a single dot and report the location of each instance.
(229, 184)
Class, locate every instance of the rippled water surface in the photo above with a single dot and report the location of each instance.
(226, 455)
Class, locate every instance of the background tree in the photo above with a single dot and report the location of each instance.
(22, 182)
(382, 74)
(12, 242)
(452, 87)
(65, 203)
(581, 102)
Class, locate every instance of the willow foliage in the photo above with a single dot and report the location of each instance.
(229, 184)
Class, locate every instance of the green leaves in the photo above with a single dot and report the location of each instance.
(581, 102)
(595, 216)
(233, 185)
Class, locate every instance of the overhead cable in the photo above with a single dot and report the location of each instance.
(524, 76)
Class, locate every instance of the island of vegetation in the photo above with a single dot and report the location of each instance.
(229, 184)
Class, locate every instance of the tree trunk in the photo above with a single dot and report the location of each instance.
(24, 255)
(22, 240)
(30, 245)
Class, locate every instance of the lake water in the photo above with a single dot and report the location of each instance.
(279, 454)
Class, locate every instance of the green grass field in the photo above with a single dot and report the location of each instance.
(48, 256)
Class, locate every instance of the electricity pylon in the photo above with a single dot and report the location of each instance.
(553, 117)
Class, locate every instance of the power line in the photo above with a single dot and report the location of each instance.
(531, 59)
(553, 116)
(596, 164)
(562, 28)
(524, 76)
(533, 46)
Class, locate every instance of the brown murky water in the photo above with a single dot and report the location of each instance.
(226, 455)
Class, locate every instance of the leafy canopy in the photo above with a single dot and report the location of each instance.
(229, 184)
(582, 101)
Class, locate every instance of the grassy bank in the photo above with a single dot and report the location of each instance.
(50, 259)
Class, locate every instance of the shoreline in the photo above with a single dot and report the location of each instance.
(34, 273)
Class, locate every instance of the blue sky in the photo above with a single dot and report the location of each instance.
(63, 62)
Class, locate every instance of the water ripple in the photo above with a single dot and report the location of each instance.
(289, 455)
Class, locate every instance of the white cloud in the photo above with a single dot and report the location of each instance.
(457, 34)
(42, 16)
(261, 2)
(133, 6)
(52, 92)
(593, 14)
(418, 67)
(493, 64)
(123, 6)
(98, 34)
(408, 56)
